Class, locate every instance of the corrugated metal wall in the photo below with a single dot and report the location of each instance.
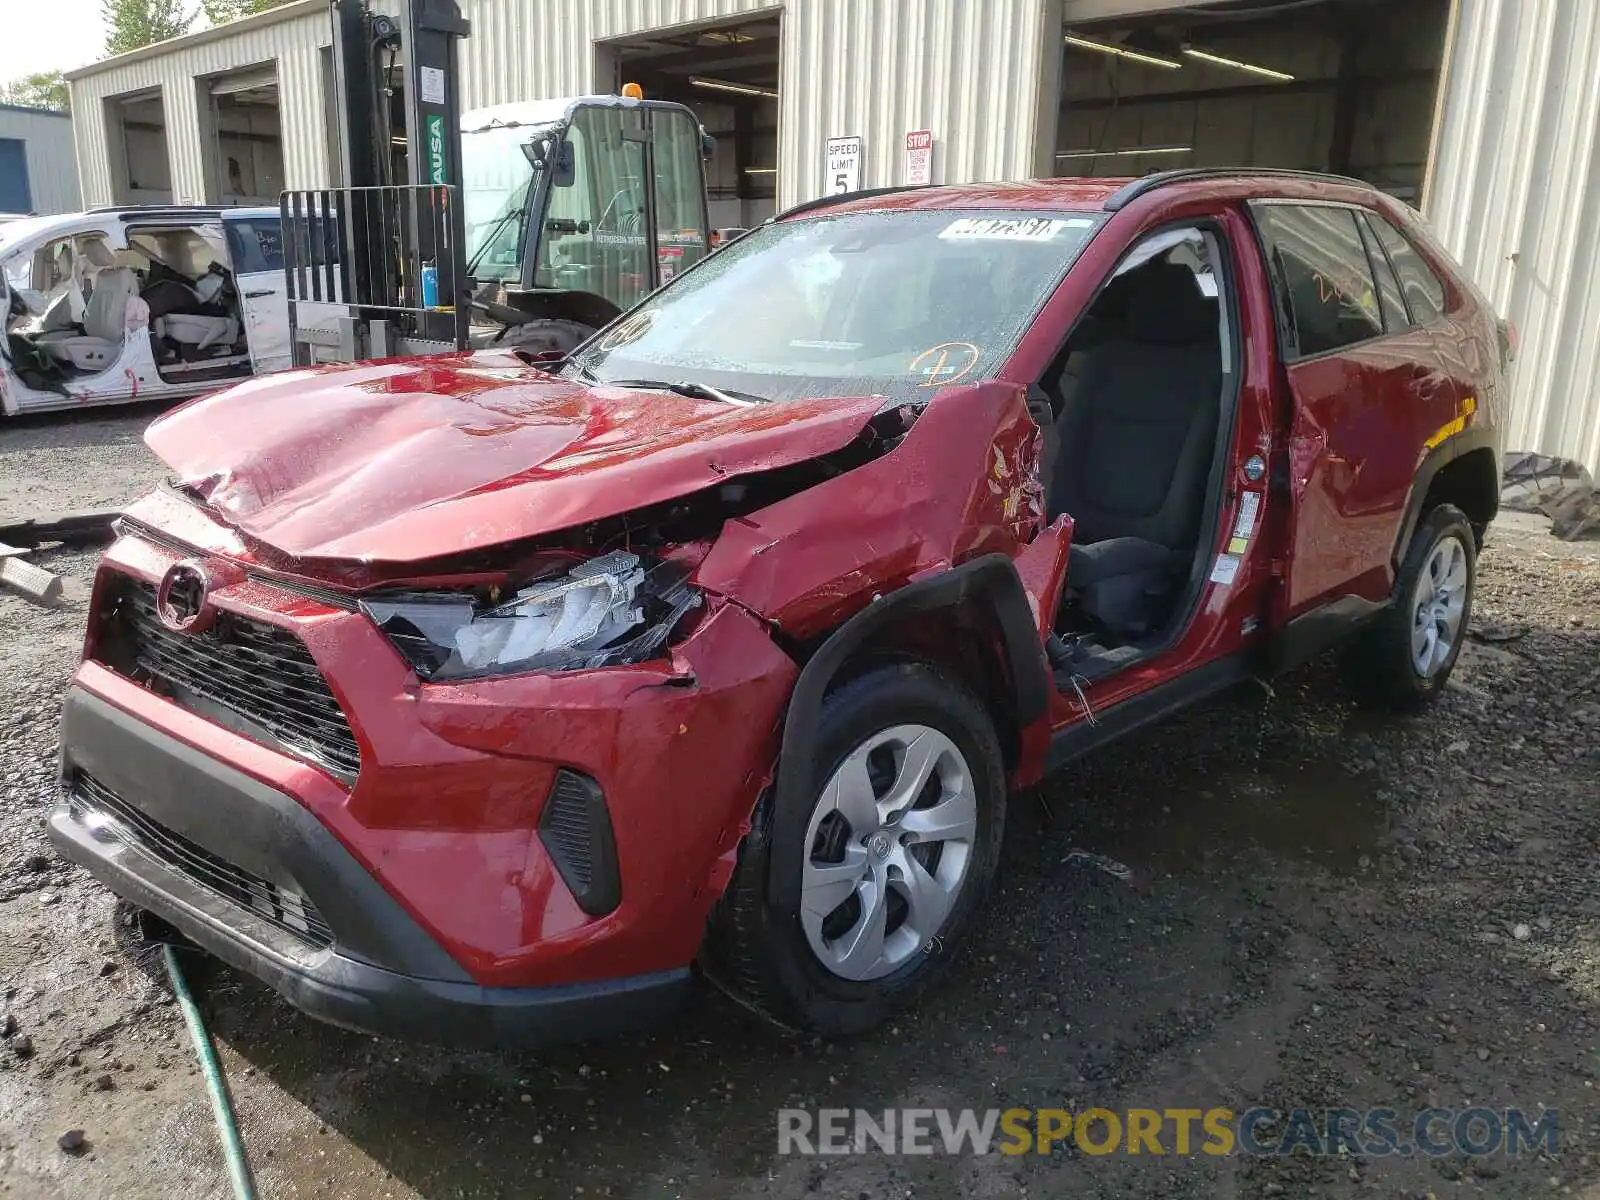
(523, 51)
(289, 36)
(1515, 194)
(972, 72)
(969, 71)
(47, 145)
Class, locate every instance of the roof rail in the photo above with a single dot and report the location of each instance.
(1139, 187)
(145, 210)
(839, 198)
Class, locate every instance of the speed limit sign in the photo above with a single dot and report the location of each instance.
(844, 165)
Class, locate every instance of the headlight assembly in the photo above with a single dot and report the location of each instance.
(608, 610)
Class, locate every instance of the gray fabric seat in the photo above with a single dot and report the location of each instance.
(1136, 440)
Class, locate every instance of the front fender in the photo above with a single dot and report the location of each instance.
(991, 580)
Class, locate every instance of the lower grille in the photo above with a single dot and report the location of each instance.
(97, 806)
(257, 679)
(576, 831)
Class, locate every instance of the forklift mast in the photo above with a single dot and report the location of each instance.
(581, 206)
(389, 245)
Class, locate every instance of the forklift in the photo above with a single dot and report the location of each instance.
(524, 226)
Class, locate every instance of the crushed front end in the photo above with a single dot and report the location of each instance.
(404, 840)
(444, 705)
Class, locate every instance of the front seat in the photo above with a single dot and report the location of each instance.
(97, 347)
(1136, 443)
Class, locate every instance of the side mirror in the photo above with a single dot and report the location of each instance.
(566, 165)
(708, 145)
(547, 153)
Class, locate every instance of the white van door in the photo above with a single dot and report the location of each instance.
(255, 245)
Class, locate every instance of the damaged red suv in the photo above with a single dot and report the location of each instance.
(473, 700)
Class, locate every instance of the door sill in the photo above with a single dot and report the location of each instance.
(1155, 704)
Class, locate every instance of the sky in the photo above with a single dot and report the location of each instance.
(48, 35)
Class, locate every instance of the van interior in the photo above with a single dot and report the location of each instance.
(1139, 405)
(86, 298)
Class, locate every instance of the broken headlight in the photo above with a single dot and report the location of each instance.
(608, 610)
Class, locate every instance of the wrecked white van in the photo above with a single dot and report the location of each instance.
(139, 303)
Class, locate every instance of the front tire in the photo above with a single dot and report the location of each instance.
(1406, 658)
(894, 856)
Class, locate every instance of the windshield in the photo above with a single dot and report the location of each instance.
(897, 303)
(497, 179)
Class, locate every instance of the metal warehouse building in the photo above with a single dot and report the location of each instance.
(37, 171)
(1484, 113)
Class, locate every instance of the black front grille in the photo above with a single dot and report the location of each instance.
(238, 668)
(97, 806)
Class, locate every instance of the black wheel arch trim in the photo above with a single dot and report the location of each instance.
(1478, 437)
(1311, 633)
(992, 579)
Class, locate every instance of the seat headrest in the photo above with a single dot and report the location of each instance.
(1163, 305)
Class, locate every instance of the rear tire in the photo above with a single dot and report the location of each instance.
(1405, 659)
(902, 869)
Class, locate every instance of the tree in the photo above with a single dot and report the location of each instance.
(220, 12)
(134, 23)
(44, 89)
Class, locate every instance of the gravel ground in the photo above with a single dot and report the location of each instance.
(1325, 908)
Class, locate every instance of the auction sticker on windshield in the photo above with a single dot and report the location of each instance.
(945, 363)
(1004, 229)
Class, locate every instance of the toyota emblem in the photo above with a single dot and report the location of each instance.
(183, 601)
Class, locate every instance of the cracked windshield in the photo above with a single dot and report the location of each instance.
(899, 303)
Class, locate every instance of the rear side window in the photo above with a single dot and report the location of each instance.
(1326, 292)
(1423, 291)
(255, 244)
(1395, 317)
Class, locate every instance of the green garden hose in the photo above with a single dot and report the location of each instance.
(244, 1187)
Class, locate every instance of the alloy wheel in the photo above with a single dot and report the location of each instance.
(1437, 609)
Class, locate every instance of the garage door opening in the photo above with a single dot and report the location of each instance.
(136, 145)
(1346, 86)
(245, 138)
(728, 74)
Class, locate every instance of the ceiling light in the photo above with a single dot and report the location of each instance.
(761, 170)
(723, 85)
(1250, 68)
(1149, 60)
(1131, 152)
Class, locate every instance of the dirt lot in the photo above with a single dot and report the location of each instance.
(1325, 909)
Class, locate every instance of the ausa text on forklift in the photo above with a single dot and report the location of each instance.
(527, 225)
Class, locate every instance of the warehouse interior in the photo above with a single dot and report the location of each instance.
(1347, 86)
(245, 136)
(140, 159)
(727, 72)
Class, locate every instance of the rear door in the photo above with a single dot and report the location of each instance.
(255, 246)
(1363, 381)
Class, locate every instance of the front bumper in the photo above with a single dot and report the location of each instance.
(383, 974)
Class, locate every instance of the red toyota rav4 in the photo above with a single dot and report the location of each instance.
(474, 700)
